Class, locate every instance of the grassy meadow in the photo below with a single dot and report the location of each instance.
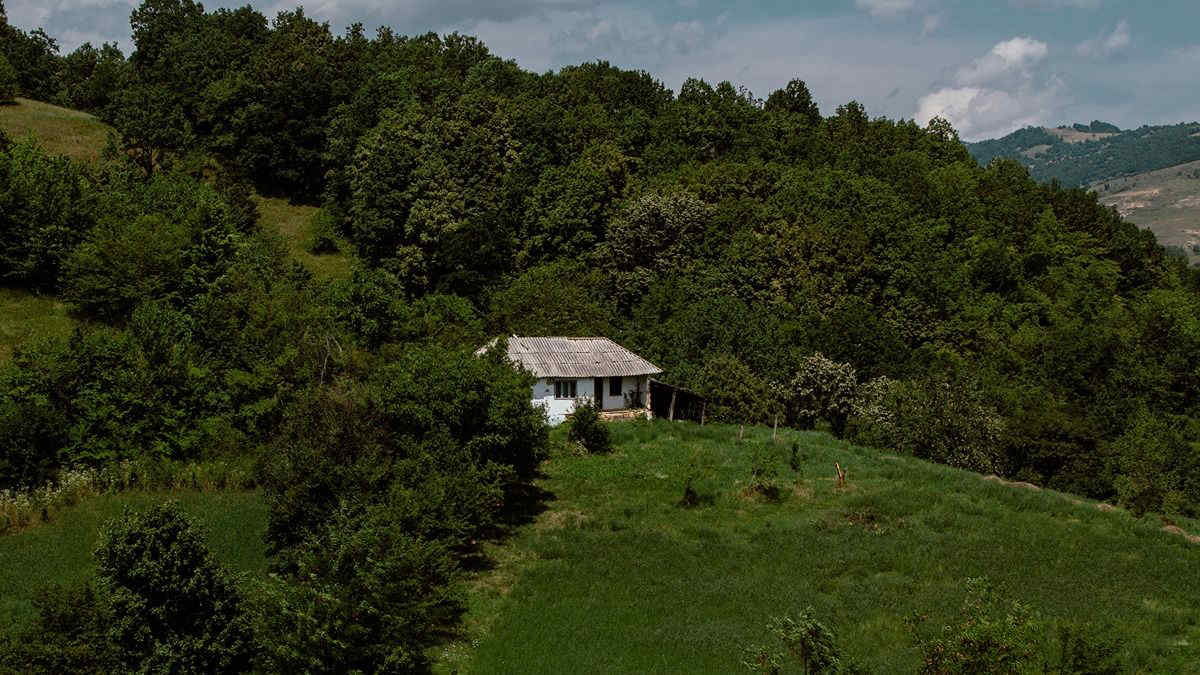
(24, 315)
(61, 131)
(615, 576)
(81, 136)
(291, 220)
(60, 551)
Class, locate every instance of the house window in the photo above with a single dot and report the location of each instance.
(614, 386)
(564, 389)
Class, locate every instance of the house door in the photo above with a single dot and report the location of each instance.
(598, 391)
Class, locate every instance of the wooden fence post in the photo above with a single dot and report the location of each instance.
(741, 432)
(775, 429)
(671, 416)
(703, 409)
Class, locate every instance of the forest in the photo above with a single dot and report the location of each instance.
(1129, 152)
(838, 271)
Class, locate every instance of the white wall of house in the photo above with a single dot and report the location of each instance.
(628, 386)
(557, 409)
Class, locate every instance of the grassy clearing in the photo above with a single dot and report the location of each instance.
(291, 220)
(615, 577)
(61, 131)
(24, 315)
(60, 551)
(82, 136)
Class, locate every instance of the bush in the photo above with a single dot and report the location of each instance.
(735, 394)
(804, 641)
(69, 635)
(322, 233)
(160, 604)
(9, 81)
(47, 206)
(1155, 468)
(940, 418)
(763, 472)
(987, 638)
(174, 608)
(823, 389)
(587, 429)
(367, 596)
(1087, 648)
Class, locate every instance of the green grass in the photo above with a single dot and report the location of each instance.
(24, 315)
(291, 220)
(615, 577)
(61, 551)
(61, 131)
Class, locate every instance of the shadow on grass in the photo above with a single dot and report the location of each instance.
(523, 503)
(692, 498)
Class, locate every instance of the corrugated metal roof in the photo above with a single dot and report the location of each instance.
(577, 357)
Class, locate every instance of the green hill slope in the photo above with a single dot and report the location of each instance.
(61, 131)
(1078, 156)
(81, 136)
(1165, 201)
(615, 577)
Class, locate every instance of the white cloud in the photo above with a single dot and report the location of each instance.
(977, 112)
(886, 7)
(1107, 44)
(1008, 59)
(999, 92)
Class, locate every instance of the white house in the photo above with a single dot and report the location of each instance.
(593, 368)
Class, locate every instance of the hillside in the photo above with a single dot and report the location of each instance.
(79, 135)
(842, 272)
(61, 131)
(1165, 201)
(60, 552)
(1082, 155)
(614, 576)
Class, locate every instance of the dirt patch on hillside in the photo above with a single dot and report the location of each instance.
(1071, 135)
(1011, 483)
(1035, 150)
(1131, 200)
(1178, 531)
(1187, 203)
(557, 520)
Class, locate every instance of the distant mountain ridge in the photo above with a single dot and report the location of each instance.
(1082, 154)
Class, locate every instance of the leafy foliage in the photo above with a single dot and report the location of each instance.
(174, 608)
(1127, 152)
(587, 429)
(823, 389)
(159, 603)
(8, 81)
(989, 637)
(374, 598)
(803, 641)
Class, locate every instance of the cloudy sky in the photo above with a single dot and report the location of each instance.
(990, 66)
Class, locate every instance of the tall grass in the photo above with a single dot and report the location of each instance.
(61, 131)
(25, 316)
(616, 576)
(60, 551)
(22, 509)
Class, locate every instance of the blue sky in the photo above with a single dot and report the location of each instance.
(990, 66)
